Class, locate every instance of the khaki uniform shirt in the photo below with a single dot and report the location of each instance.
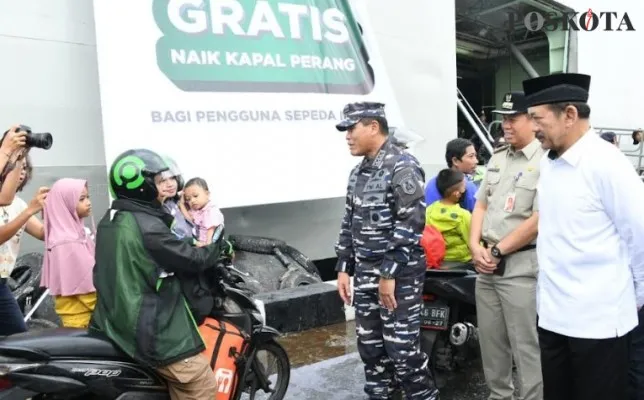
(509, 174)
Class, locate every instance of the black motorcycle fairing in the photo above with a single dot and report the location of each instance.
(452, 288)
(240, 297)
(428, 337)
(265, 334)
(79, 378)
(16, 392)
(457, 265)
(60, 342)
(465, 287)
(448, 273)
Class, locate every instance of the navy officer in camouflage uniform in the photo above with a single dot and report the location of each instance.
(379, 245)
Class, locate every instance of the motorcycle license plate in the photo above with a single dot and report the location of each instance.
(434, 316)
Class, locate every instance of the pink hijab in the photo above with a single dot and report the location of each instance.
(69, 252)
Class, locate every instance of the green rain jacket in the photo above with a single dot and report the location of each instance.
(141, 304)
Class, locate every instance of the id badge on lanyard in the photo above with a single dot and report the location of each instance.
(512, 196)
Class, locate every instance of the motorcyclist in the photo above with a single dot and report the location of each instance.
(141, 272)
(169, 187)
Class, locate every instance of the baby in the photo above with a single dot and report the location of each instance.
(196, 207)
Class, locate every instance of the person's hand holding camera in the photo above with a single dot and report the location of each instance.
(38, 202)
(14, 141)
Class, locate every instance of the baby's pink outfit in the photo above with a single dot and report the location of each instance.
(208, 217)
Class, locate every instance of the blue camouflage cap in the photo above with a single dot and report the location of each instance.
(354, 112)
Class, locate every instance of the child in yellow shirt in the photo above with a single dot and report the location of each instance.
(449, 218)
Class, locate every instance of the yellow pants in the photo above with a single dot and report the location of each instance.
(75, 311)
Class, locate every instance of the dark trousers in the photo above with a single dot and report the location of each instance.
(636, 371)
(11, 318)
(584, 369)
(389, 342)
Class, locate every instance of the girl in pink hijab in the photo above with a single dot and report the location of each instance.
(69, 252)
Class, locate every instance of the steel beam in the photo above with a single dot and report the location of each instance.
(523, 61)
(543, 6)
(489, 10)
(558, 48)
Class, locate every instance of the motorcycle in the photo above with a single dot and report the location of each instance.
(36, 304)
(69, 363)
(448, 320)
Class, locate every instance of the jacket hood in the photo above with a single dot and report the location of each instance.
(443, 216)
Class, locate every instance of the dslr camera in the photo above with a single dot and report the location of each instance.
(40, 140)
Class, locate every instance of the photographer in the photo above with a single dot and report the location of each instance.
(15, 217)
(13, 144)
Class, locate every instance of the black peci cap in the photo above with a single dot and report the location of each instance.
(557, 88)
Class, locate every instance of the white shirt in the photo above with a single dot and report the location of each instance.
(9, 250)
(591, 219)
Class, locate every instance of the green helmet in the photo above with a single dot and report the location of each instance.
(132, 175)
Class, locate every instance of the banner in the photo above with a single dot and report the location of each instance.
(242, 93)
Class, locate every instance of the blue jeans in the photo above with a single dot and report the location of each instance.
(636, 368)
(11, 318)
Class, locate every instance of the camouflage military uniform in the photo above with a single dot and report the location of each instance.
(383, 222)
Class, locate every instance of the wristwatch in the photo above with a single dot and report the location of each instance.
(496, 253)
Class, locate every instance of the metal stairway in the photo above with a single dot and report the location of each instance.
(475, 122)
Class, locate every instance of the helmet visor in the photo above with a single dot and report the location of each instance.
(173, 168)
(165, 175)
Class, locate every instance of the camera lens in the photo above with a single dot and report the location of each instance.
(40, 140)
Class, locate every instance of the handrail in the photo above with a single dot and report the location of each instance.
(473, 112)
(476, 128)
(475, 122)
(638, 152)
(495, 122)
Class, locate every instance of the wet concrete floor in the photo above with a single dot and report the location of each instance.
(325, 365)
(320, 344)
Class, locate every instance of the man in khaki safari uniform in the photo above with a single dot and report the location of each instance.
(503, 233)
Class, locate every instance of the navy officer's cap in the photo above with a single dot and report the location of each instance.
(354, 112)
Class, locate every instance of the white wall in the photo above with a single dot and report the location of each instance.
(614, 61)
(418, 41)
(48, 77)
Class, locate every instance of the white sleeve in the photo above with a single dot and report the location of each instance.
(622, 194)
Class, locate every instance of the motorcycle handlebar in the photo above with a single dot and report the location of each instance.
(228, 273)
